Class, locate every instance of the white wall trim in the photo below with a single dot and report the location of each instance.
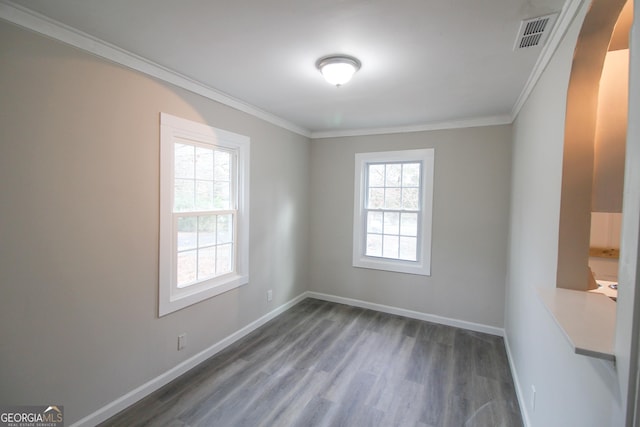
(453, 124)
(41, 24)
(477, 327)
(154, 384)
(569, 11)
(516, 381)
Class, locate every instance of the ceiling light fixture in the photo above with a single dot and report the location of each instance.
(338, 69)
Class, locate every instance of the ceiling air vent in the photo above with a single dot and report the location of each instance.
(534, 32)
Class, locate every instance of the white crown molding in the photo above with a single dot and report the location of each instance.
(454, 124)
(569, 11)
(41, 24)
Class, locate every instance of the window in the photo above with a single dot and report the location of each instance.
(204, 212)
(392, 211)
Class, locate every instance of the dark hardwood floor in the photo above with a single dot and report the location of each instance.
(327, 364)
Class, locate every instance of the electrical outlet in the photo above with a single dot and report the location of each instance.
(533, 398)
(182, 341)
(269, 295)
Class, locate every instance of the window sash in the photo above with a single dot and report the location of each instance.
(382, 233)
(175, 130)
(233, 174)
(176, 284)
(176, 250)
(405, 246)
(365, 209)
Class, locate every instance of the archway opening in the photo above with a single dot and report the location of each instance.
(586, 181)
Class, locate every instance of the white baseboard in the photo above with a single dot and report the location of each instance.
(516, 382)
(409, 313)
(149, 387)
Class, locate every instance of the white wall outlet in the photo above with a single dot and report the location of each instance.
(182, 341)
(269, 295)
(533, 398)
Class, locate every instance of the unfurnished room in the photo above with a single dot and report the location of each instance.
(319, 213)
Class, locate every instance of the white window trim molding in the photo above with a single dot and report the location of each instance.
(170, 297)
(423, 265)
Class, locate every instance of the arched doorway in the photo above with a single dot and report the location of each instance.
(579, 143)
(582, 98)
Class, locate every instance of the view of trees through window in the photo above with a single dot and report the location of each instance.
(203, 211)
(392, 210)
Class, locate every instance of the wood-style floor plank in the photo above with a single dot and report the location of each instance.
(327, 364)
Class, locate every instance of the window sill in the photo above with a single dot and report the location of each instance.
(185, 297)
(397, 266)
(588, 320)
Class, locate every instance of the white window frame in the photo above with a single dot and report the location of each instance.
(177, 130)
(423, 264)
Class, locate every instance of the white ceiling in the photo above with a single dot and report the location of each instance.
(423, 61)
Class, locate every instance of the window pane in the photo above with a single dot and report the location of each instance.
(374, 245)
(376, 175)
(184, 195)
(411, 175)
(204, 195)
(393, 198)
(374, 222)
(410, 198)
(204, 163)
(390, 246)
(206, 263)
(391, 223)
(224, 229)
(223, 166)
(184, 161)
(222, 197)
(187, 237)
(224, 259)
(186, 268)
(206, 230)
(393, 174)
(397, 185)
(376, 198)
(408, 248)
(409, 224)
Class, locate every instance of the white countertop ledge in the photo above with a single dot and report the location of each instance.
(587, 319)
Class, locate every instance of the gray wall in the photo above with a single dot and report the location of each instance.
(79, 188)
(470, 217)
(571, 390)
(79, 184)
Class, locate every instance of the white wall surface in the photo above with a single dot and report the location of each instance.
(79, 188)
(571, 390)
(470, 217)
(611, 133)
(628, 319)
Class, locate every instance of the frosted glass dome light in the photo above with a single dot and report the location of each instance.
(338, 69)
